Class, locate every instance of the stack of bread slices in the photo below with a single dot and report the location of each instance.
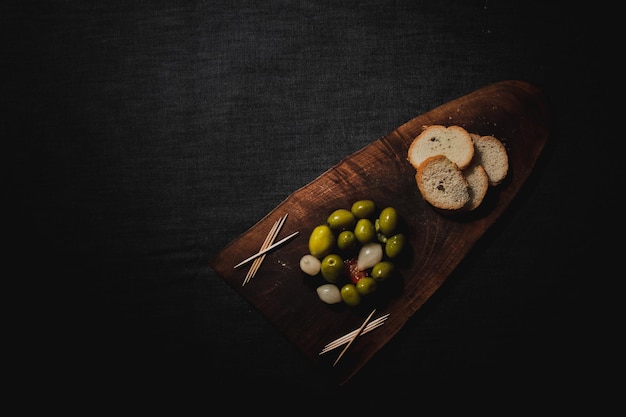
(455, 168)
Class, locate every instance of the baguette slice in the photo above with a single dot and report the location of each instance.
(491, 154)
(478, 183)
(452, 141)
(442, 183)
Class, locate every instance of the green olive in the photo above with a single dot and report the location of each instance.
(382, 270)
(350, 295)
(341, 219)
(346, 240)
(387, 221)
(332, 267)
(366, 285)
(364, 231)
(363, 209)
(394, 245)
(321, 241)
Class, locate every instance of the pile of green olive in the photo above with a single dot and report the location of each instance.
(354, 251)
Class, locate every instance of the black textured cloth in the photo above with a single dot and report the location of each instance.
(142, 137)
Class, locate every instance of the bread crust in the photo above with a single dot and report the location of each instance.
(478, 184)
(491, 153)
(442, 183)
(452, 141)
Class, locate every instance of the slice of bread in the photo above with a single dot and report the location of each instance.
(452, 141)
(491, 154)
(478, 184)
(442, 183)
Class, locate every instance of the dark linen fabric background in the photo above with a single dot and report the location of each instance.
(144, 136)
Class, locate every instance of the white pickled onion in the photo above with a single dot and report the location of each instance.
(369, 255)
(329, 293)
(310, 265)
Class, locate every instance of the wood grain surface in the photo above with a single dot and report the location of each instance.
(512, 110)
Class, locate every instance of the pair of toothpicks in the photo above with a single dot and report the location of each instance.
(267, 246)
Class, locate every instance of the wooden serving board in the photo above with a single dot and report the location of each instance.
(514, 111)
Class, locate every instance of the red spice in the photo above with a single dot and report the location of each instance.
(352, 271)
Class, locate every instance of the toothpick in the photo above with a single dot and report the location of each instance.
(268, 241)
(346, 338)
(264, 251)
(354, 337)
